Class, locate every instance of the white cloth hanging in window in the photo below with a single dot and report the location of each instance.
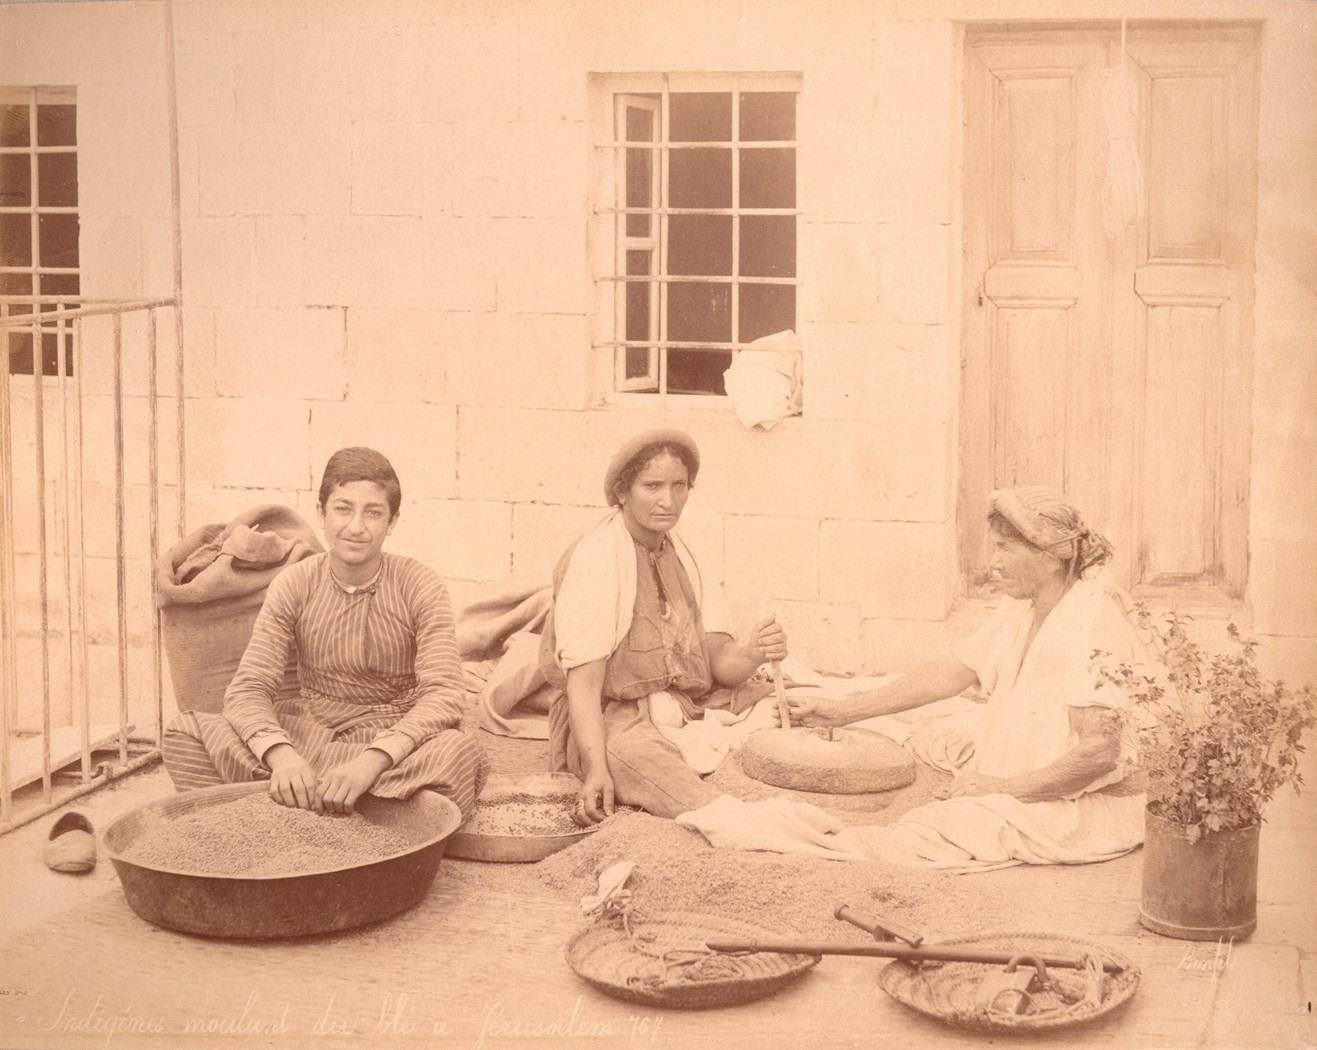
(764, 380)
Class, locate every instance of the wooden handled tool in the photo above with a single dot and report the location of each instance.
(783, 710)
(889, 950)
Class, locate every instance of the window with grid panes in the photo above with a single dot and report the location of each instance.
(702, 223)
(38, 215)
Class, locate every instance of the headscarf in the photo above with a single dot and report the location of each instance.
(1048, 520)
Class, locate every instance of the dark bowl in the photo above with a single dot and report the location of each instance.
(293, 905)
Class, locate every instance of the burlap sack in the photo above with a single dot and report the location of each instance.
(211, 585)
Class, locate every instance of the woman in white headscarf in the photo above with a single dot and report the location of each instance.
(1046, 773)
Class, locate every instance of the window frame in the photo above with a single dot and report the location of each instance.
(34, 98)
(611, 96)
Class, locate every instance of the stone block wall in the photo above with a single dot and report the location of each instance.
(386, 210)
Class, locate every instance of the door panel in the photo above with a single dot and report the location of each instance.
(1030, 409)
(1036, 159)
(1180, 437)
(1187, 133)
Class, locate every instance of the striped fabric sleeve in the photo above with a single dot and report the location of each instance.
(439, 691)
(248, 702)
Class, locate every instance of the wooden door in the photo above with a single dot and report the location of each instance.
(1107, 290)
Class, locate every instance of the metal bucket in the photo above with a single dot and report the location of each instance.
(1199, 891)
(284, 905)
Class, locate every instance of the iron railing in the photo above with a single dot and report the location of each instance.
(68, 723)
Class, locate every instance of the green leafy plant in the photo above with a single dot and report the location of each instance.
(1216, 739)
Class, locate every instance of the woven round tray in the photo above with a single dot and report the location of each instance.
(519, 848)
(662, 961)
(950, 991)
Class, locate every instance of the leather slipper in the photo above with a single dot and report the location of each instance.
(71, 846)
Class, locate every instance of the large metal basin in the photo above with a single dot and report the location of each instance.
(284, 905)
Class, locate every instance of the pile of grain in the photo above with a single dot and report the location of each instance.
(253, 835)
(677, 870)
(522, 813)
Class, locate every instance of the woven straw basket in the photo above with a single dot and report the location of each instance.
(662, 962)
(949, 991)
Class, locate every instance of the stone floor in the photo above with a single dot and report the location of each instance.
(79, 968)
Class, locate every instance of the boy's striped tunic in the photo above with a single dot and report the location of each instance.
(378, 667)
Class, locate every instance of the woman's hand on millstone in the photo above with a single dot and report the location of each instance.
(816, 709)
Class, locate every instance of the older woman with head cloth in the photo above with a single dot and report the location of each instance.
(1046, 771)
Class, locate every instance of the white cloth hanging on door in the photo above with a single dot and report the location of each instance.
(1122, 189)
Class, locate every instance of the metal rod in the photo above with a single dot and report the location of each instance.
(708, 345)
(660, 265)
(884, 950)
(120, 553)
(663, 143)
(722, 279)
(8, 610)
(63, 335)
(84, 682)
(180, 420)
(784, 213)
(86, 300)
(176, 219)
(51, 316)
(153, 476)
(43, 582)
(110, 773)
(735, 306)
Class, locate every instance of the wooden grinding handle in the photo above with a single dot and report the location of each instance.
(783, 709)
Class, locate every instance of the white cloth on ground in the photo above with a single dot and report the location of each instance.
(776, 824)
(705, 742)
(984, 832)
(594, 605)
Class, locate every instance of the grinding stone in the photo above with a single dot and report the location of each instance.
(853, 761)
